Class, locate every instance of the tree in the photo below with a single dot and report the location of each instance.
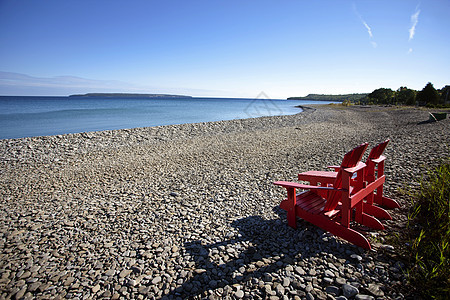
(445, 94)
(381, 96)
(406, 96)
(428, 95)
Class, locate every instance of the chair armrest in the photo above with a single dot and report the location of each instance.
(296, 185)
(336, 168)
(378, 160)
(356, 168)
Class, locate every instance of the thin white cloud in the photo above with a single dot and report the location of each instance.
(409, 51)
(369, 29)
(414, 21)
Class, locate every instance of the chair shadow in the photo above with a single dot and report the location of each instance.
(426, 122)
(263, 240)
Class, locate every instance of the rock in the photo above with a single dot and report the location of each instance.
(34, 286)
(329, 273)
(106, 294)
(96, 288)
(349, 291)
(131, 282)
(356, 257)
(125, 273)
(300, 271)
(280, 290)
(156, 280)
(239, 294)
(375, 290)
(332, 290)
(363, 297)
(21, 292)
(144, 290)
(267, 277)
(309, 296)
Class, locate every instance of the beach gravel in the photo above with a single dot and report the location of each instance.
(190, 211)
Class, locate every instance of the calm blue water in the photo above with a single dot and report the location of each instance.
(38, 116)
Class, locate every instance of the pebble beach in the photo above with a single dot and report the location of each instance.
(190, 211)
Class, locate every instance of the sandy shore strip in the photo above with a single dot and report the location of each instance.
(190, 210)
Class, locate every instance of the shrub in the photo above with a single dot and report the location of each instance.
(430, 246)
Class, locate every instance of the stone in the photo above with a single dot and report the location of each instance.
(34, 286)
(299, 270)
(156, 280)
(364, 297)
(356, 257)
(131, 282)
(267, 277)
(280, 290)
(332, 290)
(349, 290)
(125, 273)
(309, 296)
(21, 292)
(144, 290)
(375, 290)
(329, 273)
(96, 288)
(239, 294)
(106, 294)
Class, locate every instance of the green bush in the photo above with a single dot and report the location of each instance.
(430, 246)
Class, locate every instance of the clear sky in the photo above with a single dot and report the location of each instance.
(222, 48)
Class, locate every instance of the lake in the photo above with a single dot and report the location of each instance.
(40, 116)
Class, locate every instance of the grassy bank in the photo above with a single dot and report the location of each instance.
(429, 235)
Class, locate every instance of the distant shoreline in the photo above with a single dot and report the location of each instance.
(127, 95)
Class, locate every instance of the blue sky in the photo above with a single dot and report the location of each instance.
(222, 48)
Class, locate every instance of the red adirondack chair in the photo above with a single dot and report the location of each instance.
(332, 207)
(374, 171)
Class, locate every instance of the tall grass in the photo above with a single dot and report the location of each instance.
(429, 222)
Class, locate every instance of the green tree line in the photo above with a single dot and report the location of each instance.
(322, 97)
(428, 96)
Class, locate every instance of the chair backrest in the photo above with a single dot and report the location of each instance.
(376, 151)
(351, 159)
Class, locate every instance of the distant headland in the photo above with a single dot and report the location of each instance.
(321, 97)
(126, 95)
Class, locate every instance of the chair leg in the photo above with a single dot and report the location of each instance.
(377, 212)
(371, 222)
(335, 228)
(389, 203)
(292, 200)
